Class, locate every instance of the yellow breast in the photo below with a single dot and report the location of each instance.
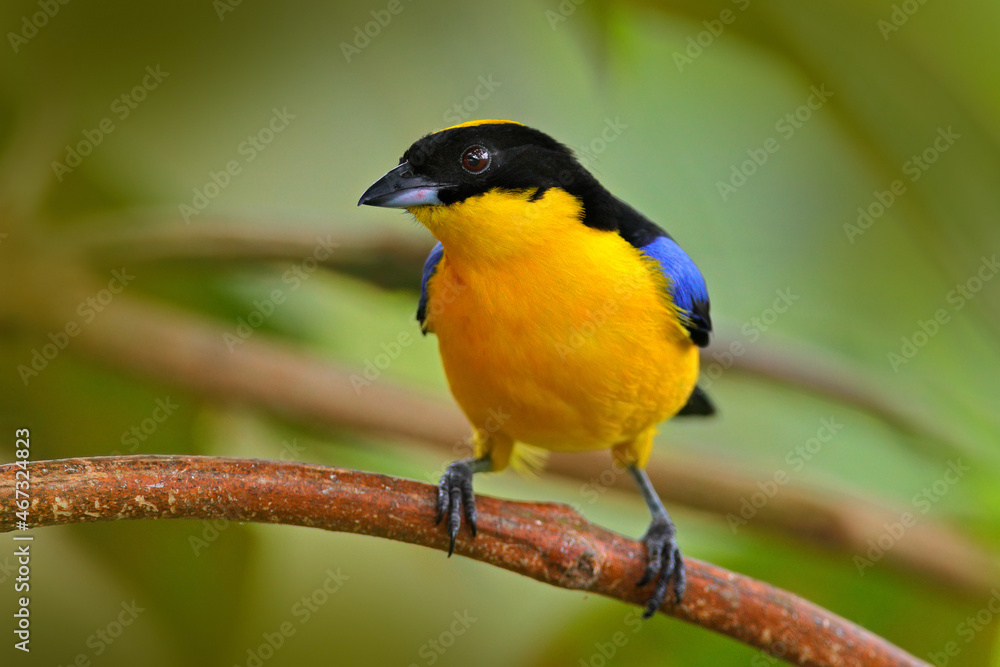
(557, 334)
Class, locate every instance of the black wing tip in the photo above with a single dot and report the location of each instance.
(698, 405)
(422, 320)
(700, 324)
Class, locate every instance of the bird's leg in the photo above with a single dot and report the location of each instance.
(664, 563)
(455, 495)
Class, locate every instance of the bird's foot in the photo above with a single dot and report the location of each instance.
(455, 496)
(664, 564)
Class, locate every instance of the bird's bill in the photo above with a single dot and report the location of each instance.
(401, 188)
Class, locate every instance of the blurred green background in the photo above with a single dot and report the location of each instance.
(832, 167)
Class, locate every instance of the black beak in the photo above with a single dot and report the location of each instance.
(401, 188)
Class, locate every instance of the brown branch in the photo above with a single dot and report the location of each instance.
(932, 553)
(816, 369)
(189, 352)
(387, 255)
(549, 543)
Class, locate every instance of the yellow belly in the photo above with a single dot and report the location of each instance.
(573, 348)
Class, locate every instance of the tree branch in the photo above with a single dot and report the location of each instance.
(549, 543)
(189, 352)
(805, 366)
(388, 256)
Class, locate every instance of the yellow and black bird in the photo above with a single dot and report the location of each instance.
(566, 320)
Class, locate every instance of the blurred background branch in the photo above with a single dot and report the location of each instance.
(194, 355)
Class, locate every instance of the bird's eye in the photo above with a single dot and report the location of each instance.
(475, 159)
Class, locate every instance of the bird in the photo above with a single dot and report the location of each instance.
(566, 320)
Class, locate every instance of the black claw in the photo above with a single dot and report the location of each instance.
(442, 502)
(455, 497)
(469, 503)
(664, 565)
(454, 519)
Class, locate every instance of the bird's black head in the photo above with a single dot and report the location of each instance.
(471, 159)
(487, 188)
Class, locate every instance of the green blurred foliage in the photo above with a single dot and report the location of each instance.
(685, 93)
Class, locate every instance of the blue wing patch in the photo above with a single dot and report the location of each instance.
(687, 286)
(430, 266)
(690, 295)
